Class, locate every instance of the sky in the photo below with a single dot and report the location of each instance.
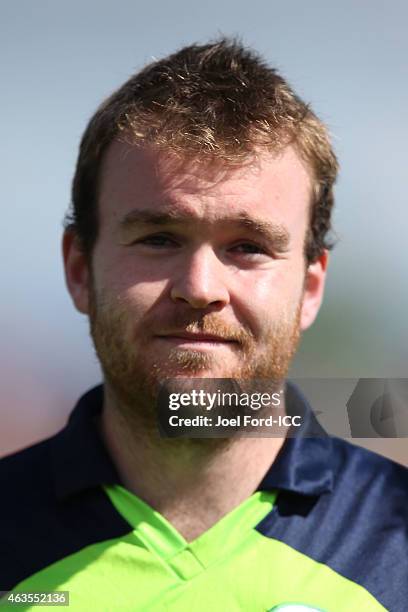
(61, 59)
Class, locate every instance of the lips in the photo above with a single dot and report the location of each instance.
(196, 337)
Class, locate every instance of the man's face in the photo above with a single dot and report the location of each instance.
(198, 270)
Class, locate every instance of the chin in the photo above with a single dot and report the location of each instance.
(190, 365)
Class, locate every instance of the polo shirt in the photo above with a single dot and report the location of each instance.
(325, 530)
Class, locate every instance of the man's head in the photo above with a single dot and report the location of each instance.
(201, 205)
(213, 102)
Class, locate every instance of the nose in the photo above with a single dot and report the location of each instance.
(201, 282)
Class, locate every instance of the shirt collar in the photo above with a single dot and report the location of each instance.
(304, 463)
(80, 460)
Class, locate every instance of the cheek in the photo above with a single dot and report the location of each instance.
(268, 296)
(127, 280)
(128, 299)
(142, 297)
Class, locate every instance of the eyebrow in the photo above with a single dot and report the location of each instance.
(275, 233)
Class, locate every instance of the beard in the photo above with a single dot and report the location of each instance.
(134, 377)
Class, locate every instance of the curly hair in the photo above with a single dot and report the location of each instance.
(214, 101)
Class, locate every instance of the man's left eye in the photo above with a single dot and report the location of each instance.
(248, 248)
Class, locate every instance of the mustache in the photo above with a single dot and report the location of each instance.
(176, 321)
(207, 324)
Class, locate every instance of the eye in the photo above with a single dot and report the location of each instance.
(248, 248)
(157, 241)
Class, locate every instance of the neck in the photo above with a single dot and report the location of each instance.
(191, 482)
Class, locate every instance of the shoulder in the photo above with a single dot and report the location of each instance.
(366, 517)
(27, 480)
(369, 496)
(27, 508)
(367, 473)
(27, 469)
(359, 526)
(52, 506)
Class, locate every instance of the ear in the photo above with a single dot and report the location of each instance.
(313, 290)
(77, 274)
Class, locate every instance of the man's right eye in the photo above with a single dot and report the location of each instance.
(157, 240)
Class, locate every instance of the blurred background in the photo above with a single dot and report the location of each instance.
(60, 59)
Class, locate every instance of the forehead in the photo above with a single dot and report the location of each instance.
(269, 186)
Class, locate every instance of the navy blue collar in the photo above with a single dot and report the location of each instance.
(305, 462)
(80, 460)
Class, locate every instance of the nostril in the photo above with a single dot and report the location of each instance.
(200, 297)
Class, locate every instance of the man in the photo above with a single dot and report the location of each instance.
(197, 246)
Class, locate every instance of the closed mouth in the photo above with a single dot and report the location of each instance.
(189, 337)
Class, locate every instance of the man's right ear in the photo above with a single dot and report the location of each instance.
(77, 275)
